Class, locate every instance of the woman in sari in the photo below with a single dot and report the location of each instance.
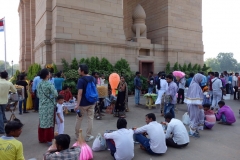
(194, 99)
(46, 94)
(121, 99)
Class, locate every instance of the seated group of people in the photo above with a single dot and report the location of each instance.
(152, 137)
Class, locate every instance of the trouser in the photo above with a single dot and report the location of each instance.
(224, 120)
(180, 95)
(137, 96)
(20, 105)
(60, 128)
(150, 89)
(144, 141)
(168, 107)
(89, 110)
(227, 89)
(36, 102)
(217, 96)
(235, 92)
(2, 117)
(171, 143)
(111, 146)
(230, 89)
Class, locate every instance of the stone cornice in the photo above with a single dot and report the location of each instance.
(43, 43)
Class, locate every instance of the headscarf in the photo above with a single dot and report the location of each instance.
(194, 94)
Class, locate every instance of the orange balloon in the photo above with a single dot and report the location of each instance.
(114, 80)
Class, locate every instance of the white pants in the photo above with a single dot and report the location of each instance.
(217, 96)
(60, 128)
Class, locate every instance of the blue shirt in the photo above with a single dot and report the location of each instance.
(137, 82)
(82, 84)
(36, 81)
(230, 79)
(204, 81)
(52, 81)
(58, 83)
(189, 80)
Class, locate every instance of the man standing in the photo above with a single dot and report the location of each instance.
(83, 104)
(175, 127)
(150, 82)
(156, 143)
(138, 87)
(217, 90)
(170, 96)
(235, 85)
(5, 86)
(36, 81)
(181, 84)
(226, 77)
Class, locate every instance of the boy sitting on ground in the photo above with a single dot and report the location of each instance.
(210, 118)
(62, 150)
(225, 114)
(11, 148)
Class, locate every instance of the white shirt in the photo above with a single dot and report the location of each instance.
(216, 85)
(156, 136)
(182, 83)
(60, 111)
(180, 134)
(123, 139)
(234, 81)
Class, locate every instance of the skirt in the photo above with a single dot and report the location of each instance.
(45, 134)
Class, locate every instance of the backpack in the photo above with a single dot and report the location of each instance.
(91, 91)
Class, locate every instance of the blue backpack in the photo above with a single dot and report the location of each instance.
(91, 91)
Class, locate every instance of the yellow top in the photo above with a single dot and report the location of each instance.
(5, 86)
(10, 149)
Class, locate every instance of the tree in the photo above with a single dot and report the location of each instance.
(175, 67)
(213, 64)
(227, 62)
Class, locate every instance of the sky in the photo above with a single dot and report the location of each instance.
(220, 21)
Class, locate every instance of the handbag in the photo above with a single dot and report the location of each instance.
(99, 144)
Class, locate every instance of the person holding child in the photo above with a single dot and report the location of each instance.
(11, 148)
(225, 114)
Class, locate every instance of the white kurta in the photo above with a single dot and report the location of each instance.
(163, 89)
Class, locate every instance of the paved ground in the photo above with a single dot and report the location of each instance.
(220, 143)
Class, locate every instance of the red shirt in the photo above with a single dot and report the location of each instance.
(66, 94)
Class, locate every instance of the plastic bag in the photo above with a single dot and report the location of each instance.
(99, 144)
(186, 119)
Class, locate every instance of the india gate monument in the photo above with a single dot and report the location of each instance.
(147, 33)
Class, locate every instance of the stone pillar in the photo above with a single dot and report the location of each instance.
(32, 27)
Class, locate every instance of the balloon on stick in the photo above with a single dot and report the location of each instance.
(114, 80)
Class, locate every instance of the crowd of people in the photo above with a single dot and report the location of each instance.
(202, 94)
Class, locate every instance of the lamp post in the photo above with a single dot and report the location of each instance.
(12, 68)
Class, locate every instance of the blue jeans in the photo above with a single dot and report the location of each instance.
(168, 107)
(144, 141)
(150, 89)
(20, 105)
(223, 118)
(230, 89)
(137, 96)
(111, 146)
(2, 117)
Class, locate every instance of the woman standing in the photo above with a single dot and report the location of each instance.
(46, 94)
(121, 99)
(162, 87)
(194, 101)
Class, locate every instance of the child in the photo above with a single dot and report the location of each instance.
(210, 118)
(10, 147)
(60, 117)
(225, 114)
(110, 99)
(206, 98)
(102, 79)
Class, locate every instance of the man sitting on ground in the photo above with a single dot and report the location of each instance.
(10, 147)
(62, 150)
(156, 143)
(225, 114)
(66, 93)
(123, 147)
(179, 137)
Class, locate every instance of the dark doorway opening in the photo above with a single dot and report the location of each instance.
(145, 67)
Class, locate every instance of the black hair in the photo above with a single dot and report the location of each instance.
(13, 126)
(201, 72)
(60, 97)
(159, 74)
(121, 123)
(216, 74)
(44, 73)
(63, 140)
(236, 73)
(4, 75)
(22, 76)
(38, 74)
(206, 105)
(152, 116)
(84, 68)
(221, 103)
(65, 87)
(211, 73)
(191, 75)
(58, 74)
(168, 116)
(151, 72)
(163, 76)
(137, 73)
(169, 76)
